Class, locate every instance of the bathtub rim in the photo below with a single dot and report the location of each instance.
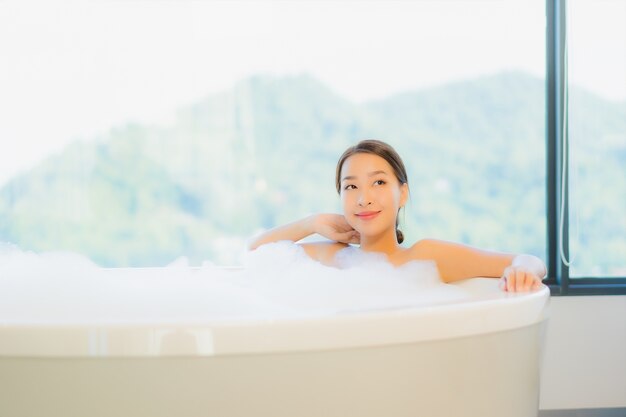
(492, 311)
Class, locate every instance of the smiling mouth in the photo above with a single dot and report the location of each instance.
(367, 215)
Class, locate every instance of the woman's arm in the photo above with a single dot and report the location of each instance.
(332, 226)
(456, 261)
(293, 231)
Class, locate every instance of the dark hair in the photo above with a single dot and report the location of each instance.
(385, 151)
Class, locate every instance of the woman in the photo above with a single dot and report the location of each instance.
(372, 182)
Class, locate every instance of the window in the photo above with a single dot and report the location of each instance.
(597, 138)
(585, 144)
(136, 133)
(136, 143)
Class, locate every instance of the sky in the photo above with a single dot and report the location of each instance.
(72, 70)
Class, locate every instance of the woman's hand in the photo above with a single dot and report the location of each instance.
(335, 227)
(519, 279)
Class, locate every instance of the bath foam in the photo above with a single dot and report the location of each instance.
(363, 281)
(278, 280)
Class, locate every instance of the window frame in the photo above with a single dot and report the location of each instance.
(559, 280)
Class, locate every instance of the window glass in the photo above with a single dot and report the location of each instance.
(139, 132)
(597, 137)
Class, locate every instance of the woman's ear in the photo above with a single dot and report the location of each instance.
(404, 194)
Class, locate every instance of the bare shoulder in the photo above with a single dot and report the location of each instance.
(426, 248)
(323, 251)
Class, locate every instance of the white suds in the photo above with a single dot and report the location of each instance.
(278, 280)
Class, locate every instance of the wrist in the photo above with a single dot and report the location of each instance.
(311, 224)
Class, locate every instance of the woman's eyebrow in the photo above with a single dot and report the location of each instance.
(371, 174)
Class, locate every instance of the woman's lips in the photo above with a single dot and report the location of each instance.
(367, 215)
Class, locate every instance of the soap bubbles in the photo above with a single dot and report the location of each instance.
(278, 280)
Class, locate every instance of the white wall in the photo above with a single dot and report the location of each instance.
(584, 363)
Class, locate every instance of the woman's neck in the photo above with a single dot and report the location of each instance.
(386, 243)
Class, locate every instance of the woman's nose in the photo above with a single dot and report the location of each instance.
(364, 200)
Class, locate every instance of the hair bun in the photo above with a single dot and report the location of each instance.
(399, 235)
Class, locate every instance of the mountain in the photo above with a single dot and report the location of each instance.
(264, 152)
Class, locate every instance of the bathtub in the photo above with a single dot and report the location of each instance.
(476, 358)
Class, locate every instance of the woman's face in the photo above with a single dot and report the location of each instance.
(371, 194)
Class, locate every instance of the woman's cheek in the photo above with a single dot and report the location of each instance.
(344, 202)
(347, 211)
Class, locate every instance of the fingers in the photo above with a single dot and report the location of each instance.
(502, 283)
(349, 237)
(531, 282)
(519, 280)
(341, 222)
(510, 278)
(511, 281)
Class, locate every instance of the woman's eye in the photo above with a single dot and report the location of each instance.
(379, 182)
(349, 187)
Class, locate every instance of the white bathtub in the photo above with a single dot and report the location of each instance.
(477, 358)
